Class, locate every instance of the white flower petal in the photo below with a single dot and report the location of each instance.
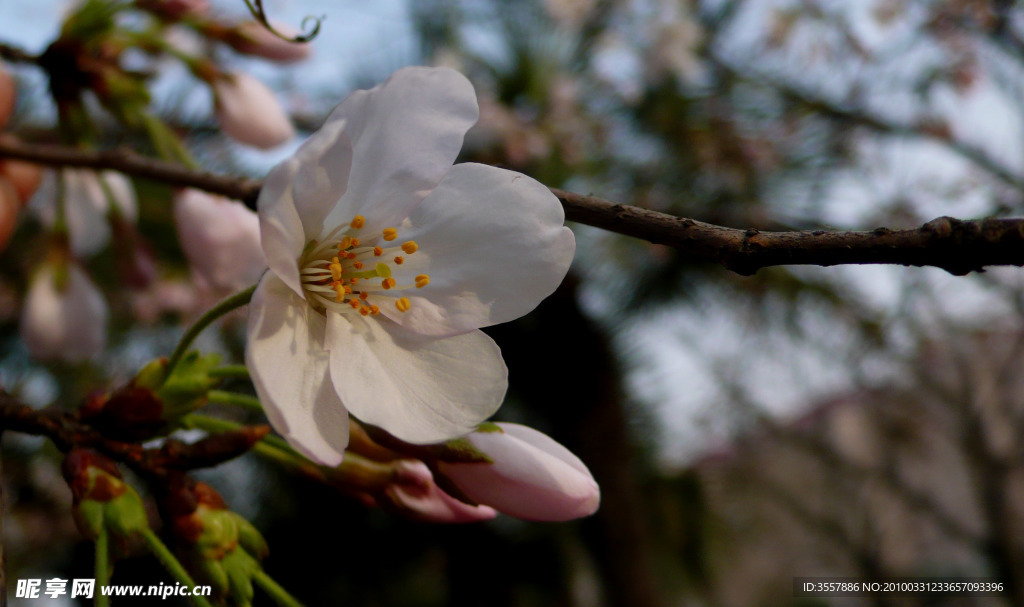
(281, 233)
(68, 324)
(122, 194)
(405, 134)
(325, 160)
(420, 389)
(288, 365)
(493, 244)
(85, 210)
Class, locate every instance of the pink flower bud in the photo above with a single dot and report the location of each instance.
(532, 477)
(7, 94)
(220, 238)
(249, 112)
(416, 495)
(65, 316)
(252, 38)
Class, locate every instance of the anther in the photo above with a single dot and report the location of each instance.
(363, 295)
(390, 234)
(358, 265)
(399, 260)
(358, 222)
(410, 247)
(422, 280)
(350, 255)
(345, 243)
(374, 310)
(355, 242)
(403, 304)
(364, 311)
(377, 251)
(387, 283)
(354, 303)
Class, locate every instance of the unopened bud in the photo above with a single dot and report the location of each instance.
(414, 493)
(101, 498)
(24, 176)
(532, 477)
(149, 404)
(253, 38)
(222, 547)
(249, 112)
(65, 316)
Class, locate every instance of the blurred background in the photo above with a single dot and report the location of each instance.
(844, 421)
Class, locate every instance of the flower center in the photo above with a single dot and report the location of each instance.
(348, 274)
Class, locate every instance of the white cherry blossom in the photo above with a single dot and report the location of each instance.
(385, 260)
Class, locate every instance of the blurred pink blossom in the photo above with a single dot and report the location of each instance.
(87, 204)
(249, 112)
(532, 477)
(65, 316)
(24, 176)
(220, 238)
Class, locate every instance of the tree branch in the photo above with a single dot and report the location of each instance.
(67, 431)
(957, 246)
(16, 55)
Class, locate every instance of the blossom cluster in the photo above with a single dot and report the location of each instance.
(377, 262)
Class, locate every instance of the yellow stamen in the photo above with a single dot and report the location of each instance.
(355, 242)
(390, 234)
(410, 247)
(336, 269)
(422, 280)
(387, 283)
(403, 304)
(374, 310)
(345, 243)
(358, 222)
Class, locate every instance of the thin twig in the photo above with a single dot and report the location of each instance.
(957, 246)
